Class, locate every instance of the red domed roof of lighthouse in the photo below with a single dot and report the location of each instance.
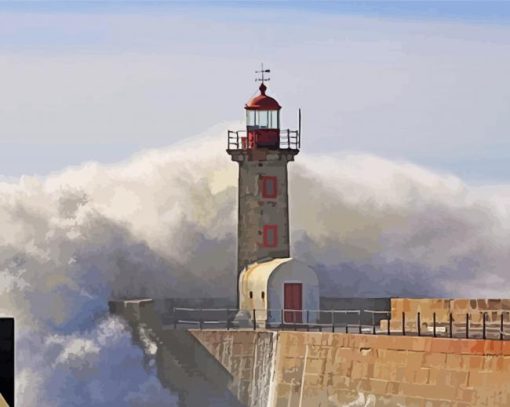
(262, 101)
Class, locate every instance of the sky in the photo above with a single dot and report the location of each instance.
(416, 81)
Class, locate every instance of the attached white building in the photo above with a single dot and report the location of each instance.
(279, 289)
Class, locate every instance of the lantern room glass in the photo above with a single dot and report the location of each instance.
(263, 119)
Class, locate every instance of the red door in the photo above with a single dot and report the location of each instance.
(293, 300)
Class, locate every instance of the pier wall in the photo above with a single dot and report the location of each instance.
(292, 368)
(335, 369)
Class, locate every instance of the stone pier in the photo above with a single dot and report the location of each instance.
(281, 369)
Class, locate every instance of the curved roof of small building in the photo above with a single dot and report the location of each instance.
(262, 101)
(259, 273)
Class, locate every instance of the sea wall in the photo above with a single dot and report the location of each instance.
(335, 369)
(458, 308)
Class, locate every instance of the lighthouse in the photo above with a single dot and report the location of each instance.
(263, 151)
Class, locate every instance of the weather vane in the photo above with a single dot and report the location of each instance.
(262, 72)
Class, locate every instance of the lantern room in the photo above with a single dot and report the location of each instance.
(263, 127)
(263, 121)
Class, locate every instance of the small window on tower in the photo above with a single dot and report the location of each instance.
(269, 188)
(270, 235)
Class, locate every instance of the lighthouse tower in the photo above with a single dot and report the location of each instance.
(263, 151)
(273, 288)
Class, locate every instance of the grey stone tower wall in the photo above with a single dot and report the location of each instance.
(255, 211)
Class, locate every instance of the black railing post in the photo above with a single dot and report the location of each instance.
(332, 321)
(484, 333)
(308, 320)
(346, 327)
(373, 324)
(467, 325)
(434, 324)
(254, 320)
(418, 323)
(388, 327)
(501, 328)
(451, 325)
(403, 324)
(359, 322)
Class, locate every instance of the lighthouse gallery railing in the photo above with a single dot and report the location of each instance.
(238, 140)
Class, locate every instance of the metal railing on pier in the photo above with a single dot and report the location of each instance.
(375, 322)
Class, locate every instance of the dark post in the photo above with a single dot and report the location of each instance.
(403, 324)
(307, 320)
(359, 322)
(388, 326)
(501, 328)
(484, 333)
(451, 325)
(346, 327)
(332, 321)
(373, 324)
(467, 326)
(418, 323)
(434, 323)
(254, 321)
(7, 351)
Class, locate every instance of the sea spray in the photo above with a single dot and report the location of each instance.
(163, 224)
(263, 368)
